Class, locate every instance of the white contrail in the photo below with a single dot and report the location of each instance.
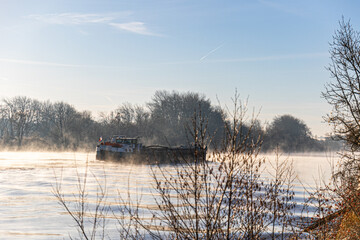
(215, 49)
(109, 99)
(272, 57)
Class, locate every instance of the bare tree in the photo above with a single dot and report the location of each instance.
(343, 94)
(63, 116)
(21, 115)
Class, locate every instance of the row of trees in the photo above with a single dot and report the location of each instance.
(29, 122)
(165, 120)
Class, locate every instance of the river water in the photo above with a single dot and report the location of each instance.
(29, 210)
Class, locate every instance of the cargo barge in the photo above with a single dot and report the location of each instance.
(126, 149)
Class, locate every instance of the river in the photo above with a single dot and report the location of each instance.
(29, 210)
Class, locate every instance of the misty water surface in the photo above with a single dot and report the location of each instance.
(29, 210)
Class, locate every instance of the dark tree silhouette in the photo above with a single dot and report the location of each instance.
(171, 114)
(289, 134)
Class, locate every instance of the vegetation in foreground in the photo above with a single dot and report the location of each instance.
(228, 199)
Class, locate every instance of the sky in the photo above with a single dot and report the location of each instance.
(98, 54)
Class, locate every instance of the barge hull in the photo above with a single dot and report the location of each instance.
(154, 156)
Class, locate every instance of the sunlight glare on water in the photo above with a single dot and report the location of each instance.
(29, 210)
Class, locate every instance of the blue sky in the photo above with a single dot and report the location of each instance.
(99, 54)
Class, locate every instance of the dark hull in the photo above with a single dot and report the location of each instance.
(155, 155)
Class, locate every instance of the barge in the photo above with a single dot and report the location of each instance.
(125, 149)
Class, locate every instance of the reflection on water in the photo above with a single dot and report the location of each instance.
(29, 210)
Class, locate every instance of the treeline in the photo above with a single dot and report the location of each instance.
(28, 123)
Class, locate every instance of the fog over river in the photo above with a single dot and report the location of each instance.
(29, 210)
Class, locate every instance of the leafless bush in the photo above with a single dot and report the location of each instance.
(335, 204)
(90, 220)
(222, 195)
(227, 196)
(281, 194)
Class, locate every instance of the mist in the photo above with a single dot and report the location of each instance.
(28, 124)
